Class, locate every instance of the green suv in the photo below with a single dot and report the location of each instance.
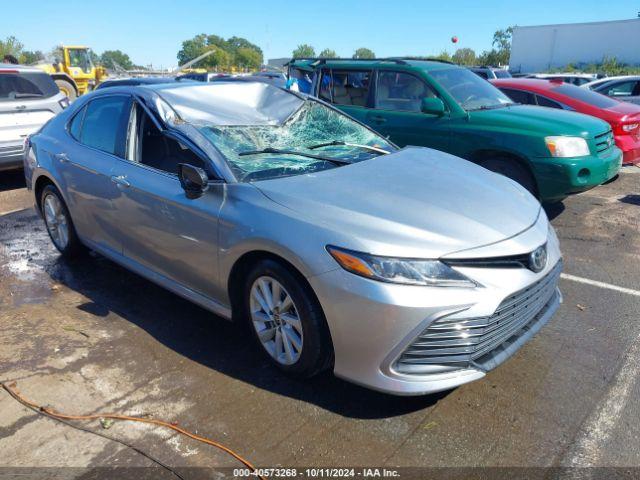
(553, 153)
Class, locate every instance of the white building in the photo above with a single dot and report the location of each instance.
(540, 48)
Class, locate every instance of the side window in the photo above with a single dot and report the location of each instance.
(481, 74)
(351, 87)
(519, 96)
(545, 102)
(401, 91)
(76, 124)
(104, 124)
(620, 89)
(148, 146)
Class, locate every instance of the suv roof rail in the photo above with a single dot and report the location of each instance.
(426, 59)
(319, 60)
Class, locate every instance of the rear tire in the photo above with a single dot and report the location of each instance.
(58, 222)
(286, 320)
(67, 88)
(511, 169)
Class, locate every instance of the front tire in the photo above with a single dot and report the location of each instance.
(513, 170)
(58, 222)
(286, 320)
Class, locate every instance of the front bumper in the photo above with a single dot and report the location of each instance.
(560, 177)
(372, 323)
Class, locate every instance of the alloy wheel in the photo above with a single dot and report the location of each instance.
(276, 320)
(56, 221)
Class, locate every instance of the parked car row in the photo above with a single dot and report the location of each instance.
(318, 218)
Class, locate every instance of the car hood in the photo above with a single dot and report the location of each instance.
(416, 202)
(541, 120)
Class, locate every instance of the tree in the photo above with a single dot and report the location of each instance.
(27, 57)
(304, 51)
(248, 58)
(443, 55)
(501, 51)
(364, 53)
(116, 58)
(464, 56)
(328, 53)
(236, 51)
(10, 46)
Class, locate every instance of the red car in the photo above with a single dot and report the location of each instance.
(623, 117)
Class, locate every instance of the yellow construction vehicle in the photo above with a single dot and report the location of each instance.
(74, 71)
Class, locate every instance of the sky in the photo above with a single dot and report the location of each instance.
(152, 31)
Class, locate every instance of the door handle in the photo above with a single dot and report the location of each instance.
(378, 118)
(120, 181)
(62, 157)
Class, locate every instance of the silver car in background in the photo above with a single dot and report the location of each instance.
(407, 271)
(28, 99)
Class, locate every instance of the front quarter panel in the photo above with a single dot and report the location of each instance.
(251, 222)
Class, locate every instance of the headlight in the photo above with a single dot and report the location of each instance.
(399, 270)
(567, 146)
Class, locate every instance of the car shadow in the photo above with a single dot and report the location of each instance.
(12, 180)
(553, 210)
(631, 199)
(214, 342)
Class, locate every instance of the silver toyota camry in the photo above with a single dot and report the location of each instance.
(407, 271)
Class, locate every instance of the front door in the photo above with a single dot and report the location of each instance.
(164, 231)
(397, 113)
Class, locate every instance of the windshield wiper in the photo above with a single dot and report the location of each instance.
(494, 107)
(346, 144)
(337, 161)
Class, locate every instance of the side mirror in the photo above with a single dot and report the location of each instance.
(432, 106)
(194, 180)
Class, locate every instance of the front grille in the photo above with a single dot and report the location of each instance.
(604, 141)
(457, 343)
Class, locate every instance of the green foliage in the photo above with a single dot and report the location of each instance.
(609, 66)
(233, 52)
(114, 59)
(501, 51)
(10, 46)
(364, 53)
(27, 57)
(328, 53)
(464, 56)
(303, 51)
(443, 55)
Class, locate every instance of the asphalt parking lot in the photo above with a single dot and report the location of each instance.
(90, 337)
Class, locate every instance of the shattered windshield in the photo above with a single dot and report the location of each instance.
(332, 135)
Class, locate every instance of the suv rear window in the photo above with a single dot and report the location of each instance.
(28, 85)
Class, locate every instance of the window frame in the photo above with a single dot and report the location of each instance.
(391, 70)
(516, 90)
(322, 71)
(214, 176)
(83, 110)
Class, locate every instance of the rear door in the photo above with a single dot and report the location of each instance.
(85, 161)
(349, 90)
(397, 111)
